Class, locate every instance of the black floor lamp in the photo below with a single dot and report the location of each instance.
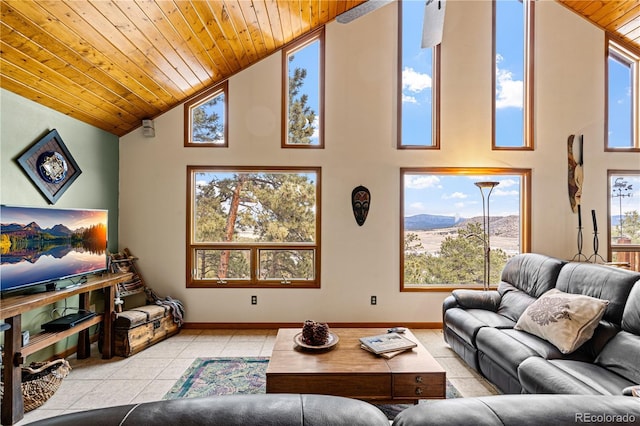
(488, 186)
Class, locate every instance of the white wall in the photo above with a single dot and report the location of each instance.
(360, 126)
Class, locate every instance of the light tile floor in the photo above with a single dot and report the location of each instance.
(150, 374)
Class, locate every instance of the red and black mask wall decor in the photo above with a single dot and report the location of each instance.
(360, 201)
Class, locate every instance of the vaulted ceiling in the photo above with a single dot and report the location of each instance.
(111, 63)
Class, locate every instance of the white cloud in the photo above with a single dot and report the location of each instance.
(414, 81)
(458, 195)
(409, 99)
(510, 92)
(421, 182)
(502, 193)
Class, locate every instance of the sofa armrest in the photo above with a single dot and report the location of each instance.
(477, 299)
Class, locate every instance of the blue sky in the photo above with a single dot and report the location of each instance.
(456, 195)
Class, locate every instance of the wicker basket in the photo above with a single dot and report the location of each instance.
(40, 381)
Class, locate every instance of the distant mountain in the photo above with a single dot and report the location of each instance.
(423, 222)
(33, 229)
(507, 226)
(59, 231)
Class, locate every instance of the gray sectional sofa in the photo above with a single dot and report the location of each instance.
(482, 327)
(324, 410)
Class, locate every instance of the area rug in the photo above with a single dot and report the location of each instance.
(224, 376)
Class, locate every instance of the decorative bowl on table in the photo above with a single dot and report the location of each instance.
(315, 336)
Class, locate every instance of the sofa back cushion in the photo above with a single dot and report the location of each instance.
(622, 356)
(599, 281)
(534, 274)
(631, 315)
(513, 301)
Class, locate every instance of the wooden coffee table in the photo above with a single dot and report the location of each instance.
(347, 370)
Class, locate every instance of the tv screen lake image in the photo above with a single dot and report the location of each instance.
(38, 245)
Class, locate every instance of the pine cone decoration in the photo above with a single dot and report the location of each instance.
(320, 334)
(307, 332)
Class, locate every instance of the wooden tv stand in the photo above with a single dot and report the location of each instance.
(11, 310)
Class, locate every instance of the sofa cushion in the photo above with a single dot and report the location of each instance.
(538, 375)
(467, 322)
(600, 281)
(532, 273)
(566, 320)
(513, 302)
(631, 315)
(522, 410)
(502, 349)
(622, 356)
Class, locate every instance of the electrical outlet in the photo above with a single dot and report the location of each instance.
(374, 300)
(254, 300)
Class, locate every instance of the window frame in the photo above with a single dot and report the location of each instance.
(296, 45)
(631, 56)
(254, 248)
(435, 92)
(528, 100)
(618, 248)
(525, 212)
(204, 97)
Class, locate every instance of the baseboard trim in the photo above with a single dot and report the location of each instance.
(267, 325)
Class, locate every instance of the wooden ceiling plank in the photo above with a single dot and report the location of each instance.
(105, 17)
(202, 36)
(54, 103)
(35, 59)
(241, 26)
(285, 21)
(68, 28)
(306, 15)
(323, 14)
(273, 11)
(35, 84)
(219, 17)
(166, 40)
(258, 26)
(213, 66)
(217, 35)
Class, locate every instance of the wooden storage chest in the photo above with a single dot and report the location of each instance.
(138, 328)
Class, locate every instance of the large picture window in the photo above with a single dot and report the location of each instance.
(303, 92)
(419, 82)
(205, 118)
(513, 74)
(623, 103)
(442, 225)
(253, 227)
(624, 218)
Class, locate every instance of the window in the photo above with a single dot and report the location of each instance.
(303, 92)
(253, 227)
(205, 118)
(624, 219)
(623, 106)
(513, 74)
(442, 225)
(419, 83)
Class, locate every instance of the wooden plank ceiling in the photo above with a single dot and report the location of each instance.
(111, 63)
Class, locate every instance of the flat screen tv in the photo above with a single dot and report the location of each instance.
(41, 245)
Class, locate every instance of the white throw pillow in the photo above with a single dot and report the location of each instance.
(566, 320)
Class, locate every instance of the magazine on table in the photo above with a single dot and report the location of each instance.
(389, 342)
(386, 355)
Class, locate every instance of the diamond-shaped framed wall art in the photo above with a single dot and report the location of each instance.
(50, 166)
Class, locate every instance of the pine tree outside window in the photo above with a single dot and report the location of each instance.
(303, 92)
(253, 227)
(205, 119)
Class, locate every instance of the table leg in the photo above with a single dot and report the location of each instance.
(84, 340)
(107, 322)
(12, 403)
